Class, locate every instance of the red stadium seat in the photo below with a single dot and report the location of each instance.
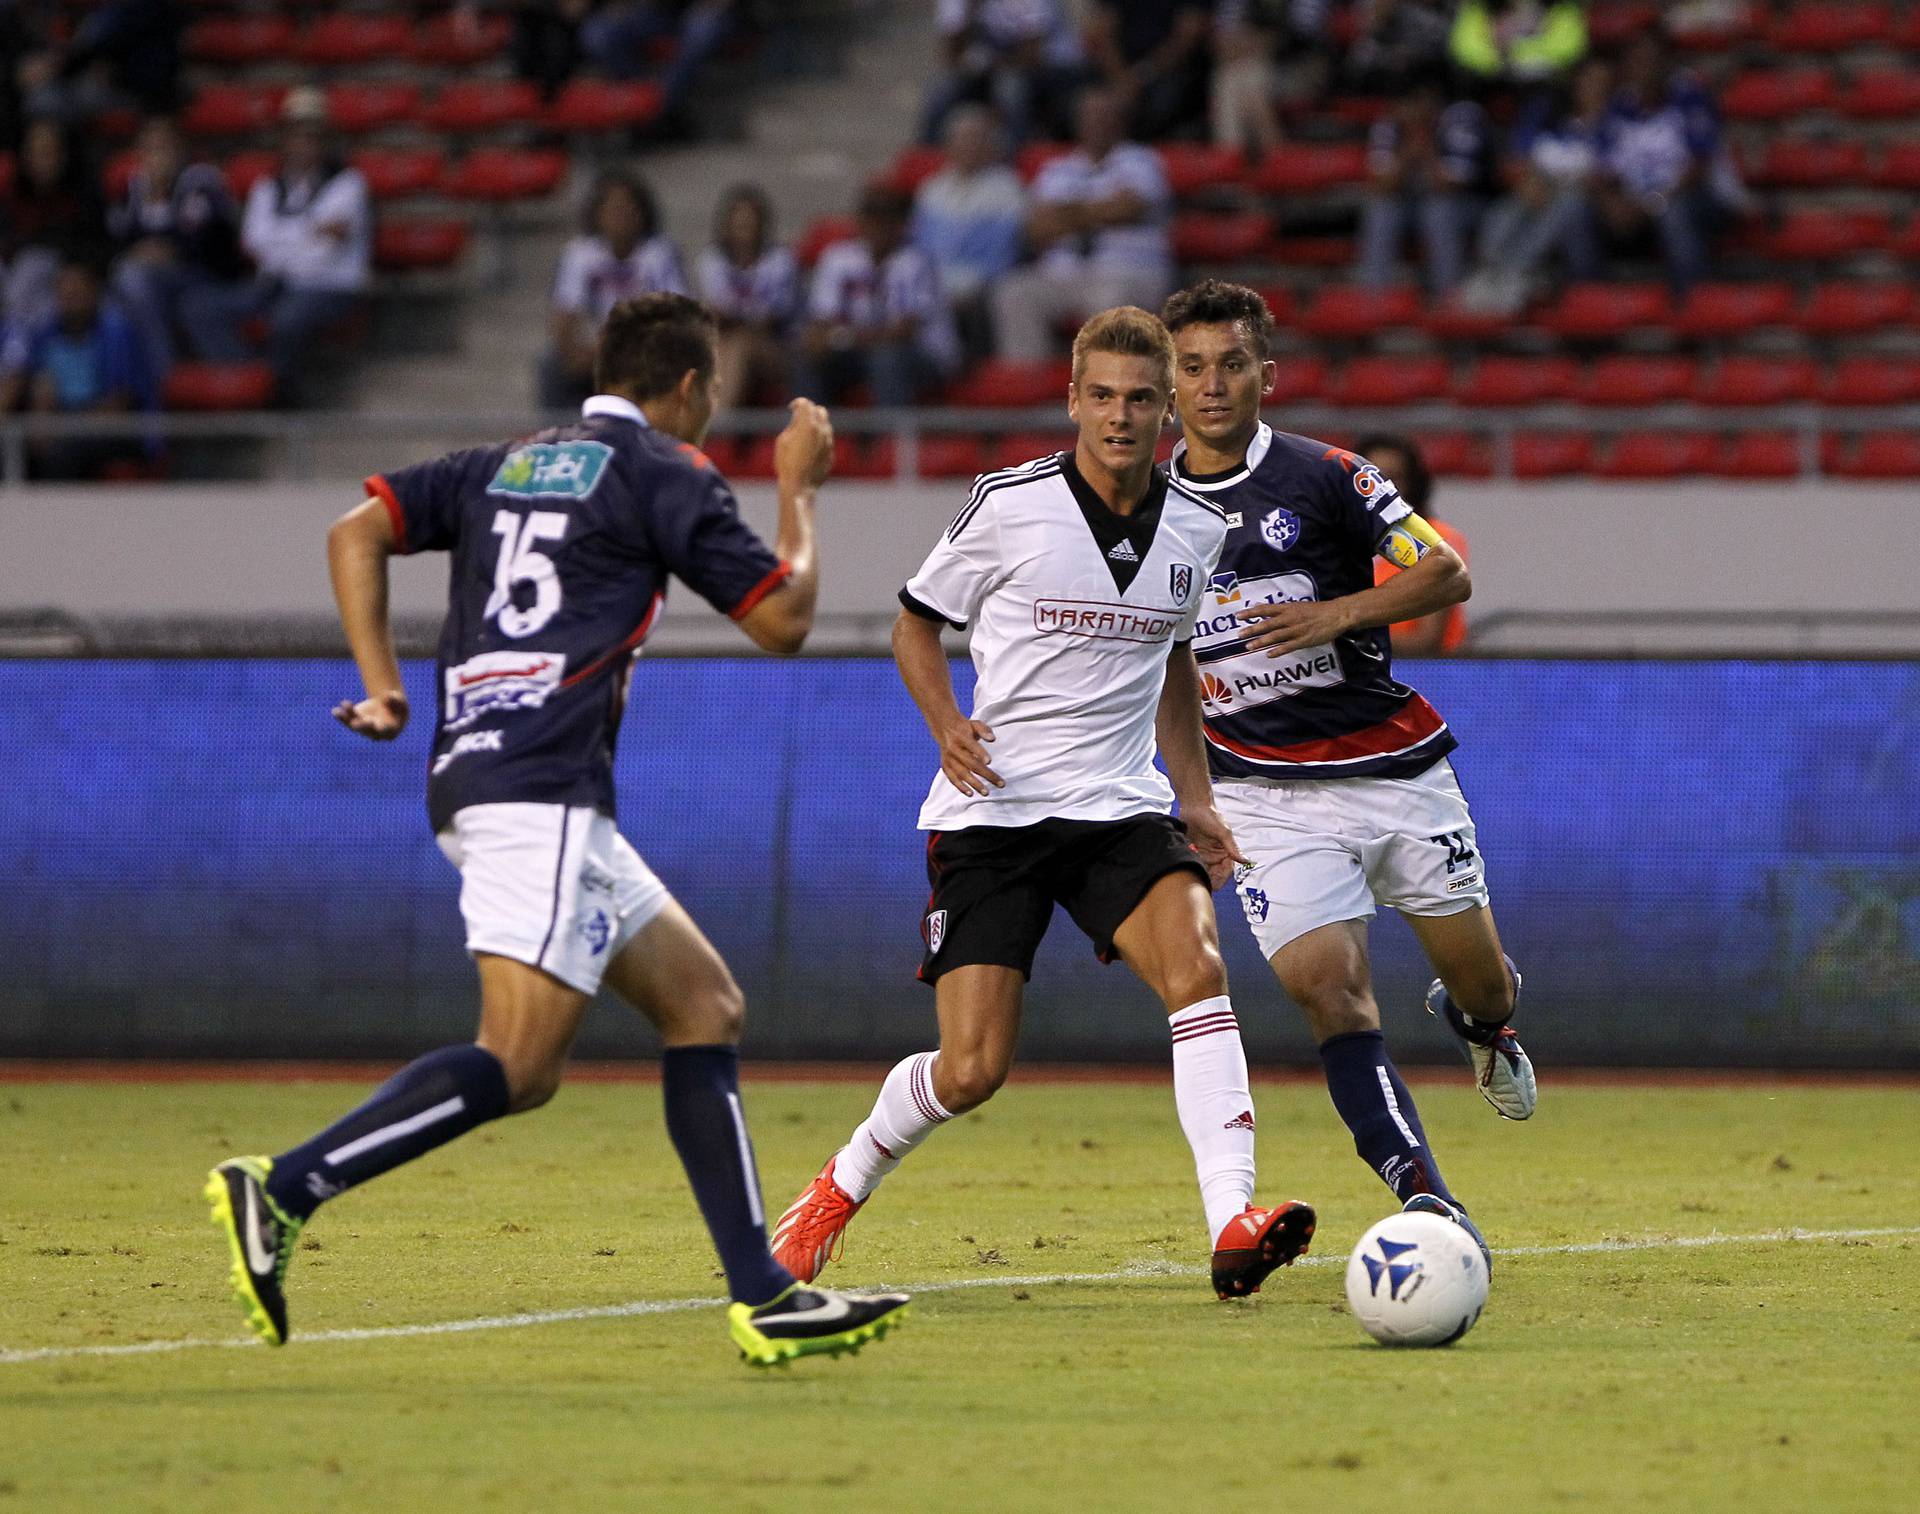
(1758, 454)
(1872, 381)
(219, 386)
(1775, 379)
(1279, 300)
(1801, 163)
(506, 173)
(1847, 309)
(1304, 168)
(233, 110)
(240, 40)
(1775, 94)
(359, 106)
(1024, 446)
(1878, 454)
(352, 37)
(754, 457)
(245, 169)
(1013, 383)
(1390, 381)
(393, 173)
(603, 105)
(1311, 252)
(1899, 165)
(1631, 380)
(951, 456)
(1656, 454)
(1456, 454)
(401, 245)
(1230, 238)
(1551, 454)
(117, 173)
(1297, 378)
(863, 457)
(822, 233)
(1194, 166)
(912, 167)
(1355, 311)
(1036, 156)
(1518, 381)
(1451, 321)
(6, 173)
(1612, 22)
(1883, 94)
(484, 104)
(1830, 28)
(1718, 33)
(459, 38)
(1806, 236)
(1713, 310)
(1905, 243)
(1607, 310)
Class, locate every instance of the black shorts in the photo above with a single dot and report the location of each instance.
(995, 886)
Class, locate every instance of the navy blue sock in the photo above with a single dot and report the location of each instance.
(701, 1086)
(425, 1104)
(1379, 1111)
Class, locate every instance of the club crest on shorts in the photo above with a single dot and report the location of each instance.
(1280, 529)
(936, 931)
(1181, 577)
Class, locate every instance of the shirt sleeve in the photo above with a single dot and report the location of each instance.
(960, 570)
(696, 528)
(1365, 498)
(423, 501)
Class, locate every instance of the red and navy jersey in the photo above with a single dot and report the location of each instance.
(562, 545)
(1303, 522)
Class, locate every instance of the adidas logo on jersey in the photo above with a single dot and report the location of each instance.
(1124, 552)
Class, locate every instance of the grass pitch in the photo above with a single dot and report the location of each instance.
(1751, 1375)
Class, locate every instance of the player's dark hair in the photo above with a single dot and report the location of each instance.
(651, 341)
(1414, 481)
(620, 181)
(1129, 331)
(1214, 302)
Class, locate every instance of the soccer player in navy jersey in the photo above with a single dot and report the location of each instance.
(562, 546)
(1333, 775)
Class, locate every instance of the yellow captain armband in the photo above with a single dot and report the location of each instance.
(1409, 541)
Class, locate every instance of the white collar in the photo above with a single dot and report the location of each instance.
(1256, 450)
(614, 405)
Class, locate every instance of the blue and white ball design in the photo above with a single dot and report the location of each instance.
(1416, 1280)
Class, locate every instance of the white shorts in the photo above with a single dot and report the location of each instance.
(557, 888)
(1325, 850)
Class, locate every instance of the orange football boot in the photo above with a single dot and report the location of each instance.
(1257, 1242)
(808, 1235)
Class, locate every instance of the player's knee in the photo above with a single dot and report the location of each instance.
(1335, 1004)
(721, 1011)
(532, 1084)
(966, 1081)
(1202, 975)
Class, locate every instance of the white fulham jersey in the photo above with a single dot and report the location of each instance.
(1075, 610)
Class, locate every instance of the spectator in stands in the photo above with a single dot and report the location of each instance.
(1018, 56)
(752, 285)
(619, 253)
(175, 230)
(1666, 178)
(1445, 631)
(1397, 42)
(1518, 42)
(309, 231)
(876, 314)
(619, 39)
(1431, 165)
(125, 53)
(83, 358)
(53, 215)
(1098, 222)
(968, 219)
(1266, 54)
(546, 47)
(1153, 55)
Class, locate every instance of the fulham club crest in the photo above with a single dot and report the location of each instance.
(936, 931)
(1182, 575)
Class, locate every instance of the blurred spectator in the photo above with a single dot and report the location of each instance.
(53, 214)
(1444, 631)
(1267, 54)
(1518, 42)
(1153, 55)
(621, 252)
(968, 219)
(1018, 56)
(619, 38)
(1098, 221)
(546, 47)
(125, 53)
(309, 231)
(1431, 168)
(1667, 178)
(752, 285)
(876, 314)
(83, 358)
(1397, 42)
(177, 229)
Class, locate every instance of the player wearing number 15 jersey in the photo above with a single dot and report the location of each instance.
(561, 548)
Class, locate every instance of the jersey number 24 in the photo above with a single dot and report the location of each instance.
(521, 562)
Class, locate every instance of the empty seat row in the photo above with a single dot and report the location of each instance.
(474, 105)
(456, 38)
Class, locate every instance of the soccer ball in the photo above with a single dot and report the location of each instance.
(1416, 1280)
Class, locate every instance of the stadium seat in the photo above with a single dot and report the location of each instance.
(459, 38)
(1013, 384)
(117, 173)
(951, 456)
(347, 37)
(506, 173)
(245, 169)
(1862, 380)
(1655, 454)
(1719, 310)
(1551, 454)
(393, 173)
(604, 105)
(1717, 32)
(1612, 22)
(1626, 379)
(1899, 165)
(361, 105)
(1607, 310)
(240, 40)
(1757, 454)
(1806, 236)
(1229, 238)
(219, 386)
(1194, 166)
(754, 457)
(1306, 168)
(1518, 381)
(723, 451)
(1297, 378)
(1024, 446)
(1772, 95)
(6, 173)
(1905, 243)
(1878, 454)
(1280, 304)
(1847, 309)
(1906, 29)
(1773, 379)
(1456, 454)
(1830, 28)
(1354, 311)
(1805, 163)
(1883, 94)
(821, 233)
(1392, 380)
(1451, 321)
(912, 167)
(1311, 251)
(862, 456)
(1035, 156)
(233, 110)
(407, 245)
(483, 105)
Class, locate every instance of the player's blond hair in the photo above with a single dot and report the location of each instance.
(1131, 332)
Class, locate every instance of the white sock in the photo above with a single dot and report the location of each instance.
(904, 1115)
(1216, 1110)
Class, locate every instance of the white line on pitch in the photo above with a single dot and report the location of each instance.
(951, 1285)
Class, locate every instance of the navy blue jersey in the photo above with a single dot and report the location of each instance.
(562, 545)
(1303, 522)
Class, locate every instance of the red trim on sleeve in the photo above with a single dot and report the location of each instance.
(760, 591)
(378, 488)
(1415, 721)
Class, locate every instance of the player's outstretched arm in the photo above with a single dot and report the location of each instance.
(802, 459)
(923, 668)
(1183, 749)
(358, 547)
(1433, 578)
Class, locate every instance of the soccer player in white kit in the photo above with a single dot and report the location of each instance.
(1333, 775)
(1081, 574)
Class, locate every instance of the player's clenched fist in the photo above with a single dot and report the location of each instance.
(964, 759)
(380, 718)
(803, 452)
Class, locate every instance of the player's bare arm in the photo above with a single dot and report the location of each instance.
(1433, 577)
(923, 668)
(1183, 750)
(358, 547)
(802, 459)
